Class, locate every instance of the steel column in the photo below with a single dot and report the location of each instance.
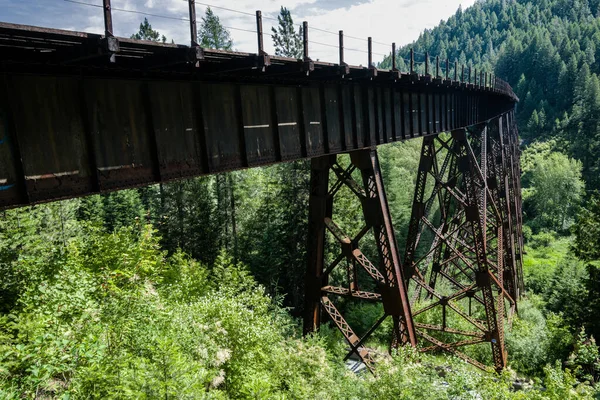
(461, 255)
(385, 281)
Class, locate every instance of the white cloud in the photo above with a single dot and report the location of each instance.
(385, 20)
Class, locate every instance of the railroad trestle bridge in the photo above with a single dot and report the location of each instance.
(84, 113)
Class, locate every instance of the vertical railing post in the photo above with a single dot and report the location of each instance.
(108, 23)
(437, 67)
(462, 74)
(412, 61)
(305, 40)
(110, 42)
(372, 69)
(394, 66)
(264, 58)
(196, 53)
(426, 63)
(447, 69)
(193, 25)
(341, 36)
(456, 70)
(259, 33)
(308, 65)
(344, 68)
(370, 51)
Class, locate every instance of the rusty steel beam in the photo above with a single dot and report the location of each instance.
(320, 209)
(382, 280)
(475, 238)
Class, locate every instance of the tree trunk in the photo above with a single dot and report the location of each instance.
(233, 225)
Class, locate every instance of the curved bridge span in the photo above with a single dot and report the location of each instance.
(83, 113)
(80, 124)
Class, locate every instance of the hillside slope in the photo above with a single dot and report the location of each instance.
(548, 51)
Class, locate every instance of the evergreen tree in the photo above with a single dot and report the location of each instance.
(287, 42)
(212, 34)
(147, 33)
(189, 219)
(122, 209)
(274, 242)
(91, 209)
(587, 231)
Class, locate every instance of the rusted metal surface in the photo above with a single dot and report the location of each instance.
(462, 243)
(365, 280)
(87, 114)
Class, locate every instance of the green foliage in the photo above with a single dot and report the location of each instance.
(561, 384)
(592, 303)
(109, 314)
(186, 218)
(587, 231)
(399, 166)
(31, 240)
(273, 237)
(122, 209)
(560, 279)
(286, 41)
(119, 320)
(567, 293)
(212, 34)
(542, 258)
(547, 51)
(535, 340)
(147, 33)
(552, 189)
(417, 376)
(585, 359)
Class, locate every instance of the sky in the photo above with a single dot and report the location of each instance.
(386, 21)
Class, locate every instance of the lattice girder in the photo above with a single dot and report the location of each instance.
(469, 204)
(385, 273)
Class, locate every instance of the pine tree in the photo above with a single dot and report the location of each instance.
(121, 209)
(91, 209)
(147, 33)
(212, 34)
(287, 42)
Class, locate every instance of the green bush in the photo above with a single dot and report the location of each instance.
(121, 320)
(111, 315)
(534, 340)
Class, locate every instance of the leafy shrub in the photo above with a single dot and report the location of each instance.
(120, 320)
(585, 359)
(111, 315)
(543, 239)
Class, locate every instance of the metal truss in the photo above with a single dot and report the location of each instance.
(384, 276)
(463, 252)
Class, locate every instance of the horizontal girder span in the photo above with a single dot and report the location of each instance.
(74, 123)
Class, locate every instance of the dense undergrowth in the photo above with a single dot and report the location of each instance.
(110, 315)
(94, 303)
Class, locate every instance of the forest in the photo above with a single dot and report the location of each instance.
(194, 289)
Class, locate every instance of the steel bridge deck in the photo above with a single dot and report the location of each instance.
(83, 113)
